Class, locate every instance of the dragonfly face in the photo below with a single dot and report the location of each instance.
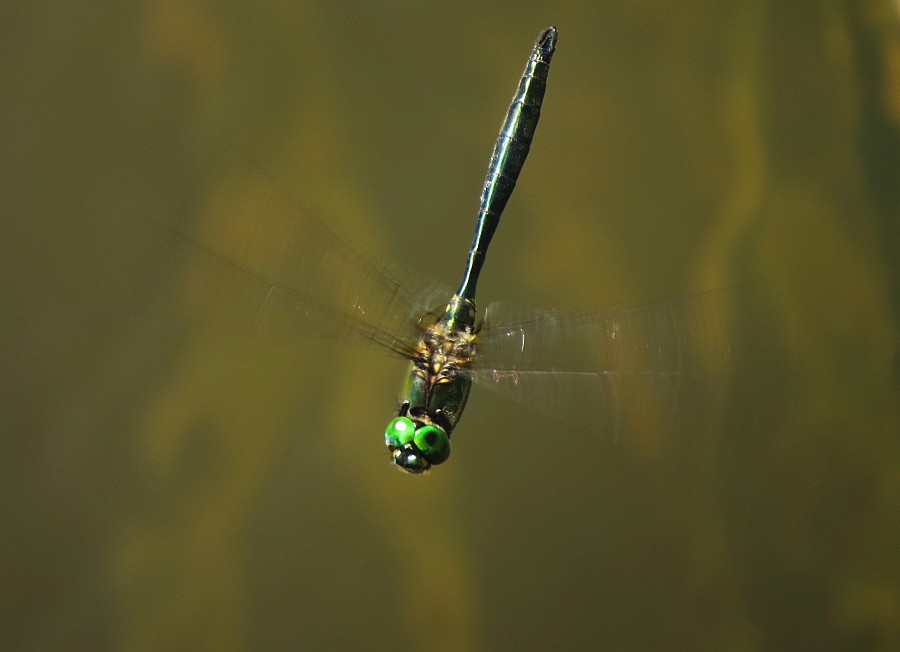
(415, 446)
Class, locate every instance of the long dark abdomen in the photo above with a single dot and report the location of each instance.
(509, 154)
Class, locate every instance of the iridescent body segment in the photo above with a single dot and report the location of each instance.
(435, 392)
(434, 389)
(510, 152)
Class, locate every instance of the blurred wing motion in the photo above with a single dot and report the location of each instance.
(255, 263)
(637, 373)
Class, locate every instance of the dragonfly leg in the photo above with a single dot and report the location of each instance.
(441, 419)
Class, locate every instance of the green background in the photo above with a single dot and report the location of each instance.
(165, 489)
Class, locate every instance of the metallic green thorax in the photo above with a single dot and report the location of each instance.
(436, 390)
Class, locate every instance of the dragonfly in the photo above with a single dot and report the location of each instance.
(622, 372)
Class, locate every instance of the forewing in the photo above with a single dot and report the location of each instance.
(255, 260)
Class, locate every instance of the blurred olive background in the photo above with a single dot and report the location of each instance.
(165, 489)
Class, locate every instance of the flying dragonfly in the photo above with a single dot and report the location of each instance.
(617, 373)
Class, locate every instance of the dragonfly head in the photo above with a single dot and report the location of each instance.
(416, 446)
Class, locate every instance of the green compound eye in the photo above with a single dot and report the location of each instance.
(434, 444)
(399, 431)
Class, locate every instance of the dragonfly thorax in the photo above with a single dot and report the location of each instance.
(435, 391)
(442, 352)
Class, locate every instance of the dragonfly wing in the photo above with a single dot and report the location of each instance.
(256, 262)
(637, 373)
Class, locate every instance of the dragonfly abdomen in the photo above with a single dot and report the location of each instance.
(510, 152)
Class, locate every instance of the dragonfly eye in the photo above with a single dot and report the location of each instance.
(434, 444)
(400, 431)
(401, 438)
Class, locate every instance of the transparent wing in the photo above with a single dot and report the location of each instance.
(255, 262)
(640, 372)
